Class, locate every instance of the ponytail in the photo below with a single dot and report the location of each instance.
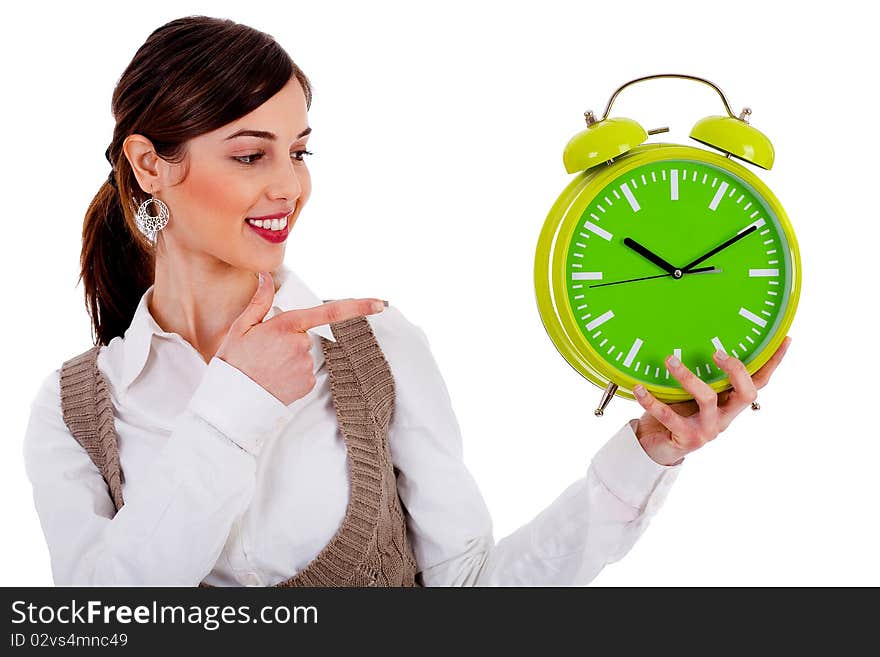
(116, 264)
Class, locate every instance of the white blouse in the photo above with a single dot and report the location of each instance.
(226, 484)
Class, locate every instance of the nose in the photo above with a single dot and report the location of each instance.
(286, 180)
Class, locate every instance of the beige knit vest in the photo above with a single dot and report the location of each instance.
(371, 546)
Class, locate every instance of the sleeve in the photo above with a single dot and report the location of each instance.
(594, 521)
(174, 524)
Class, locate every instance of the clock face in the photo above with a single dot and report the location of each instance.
(628, 301)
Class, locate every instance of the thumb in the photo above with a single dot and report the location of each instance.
(258, 306)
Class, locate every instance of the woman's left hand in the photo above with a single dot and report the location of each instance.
(668, 432)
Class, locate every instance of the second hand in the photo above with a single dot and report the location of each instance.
(645, 278)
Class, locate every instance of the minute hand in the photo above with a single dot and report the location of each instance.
(718, 248)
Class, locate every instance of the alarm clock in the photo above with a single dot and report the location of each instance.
(658, 248)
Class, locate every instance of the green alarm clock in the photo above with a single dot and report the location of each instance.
(657, 248)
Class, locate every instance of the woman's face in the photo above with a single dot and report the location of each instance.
(231, 178)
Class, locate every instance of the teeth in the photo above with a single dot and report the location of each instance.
(270, 224)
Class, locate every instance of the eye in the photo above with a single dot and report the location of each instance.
(297, 155)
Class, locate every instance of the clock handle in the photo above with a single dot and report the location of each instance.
(607, 396)
(746, 111)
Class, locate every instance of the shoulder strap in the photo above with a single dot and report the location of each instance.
(368, 364)
(88, 414)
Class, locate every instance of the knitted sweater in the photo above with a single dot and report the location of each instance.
(371, 547)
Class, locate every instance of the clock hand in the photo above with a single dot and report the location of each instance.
(653, 257)
(720, 247)
(701, 270)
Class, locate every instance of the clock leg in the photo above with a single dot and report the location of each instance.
(607, 396)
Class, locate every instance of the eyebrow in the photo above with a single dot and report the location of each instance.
(262, 134)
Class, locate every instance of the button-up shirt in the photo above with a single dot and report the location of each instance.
(226, 484)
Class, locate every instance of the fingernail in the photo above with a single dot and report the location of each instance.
(720, 355)
(385, 302)
(639, 390)
(378, 306)
(673, 361)
(260, 277)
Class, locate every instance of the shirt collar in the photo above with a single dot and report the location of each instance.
(292, 294)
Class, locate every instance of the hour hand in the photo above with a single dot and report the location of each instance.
(653, 257)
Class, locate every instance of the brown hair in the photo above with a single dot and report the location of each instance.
(191, 76)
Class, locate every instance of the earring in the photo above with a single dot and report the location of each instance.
(150, 225)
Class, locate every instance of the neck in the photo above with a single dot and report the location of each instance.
(198, 299)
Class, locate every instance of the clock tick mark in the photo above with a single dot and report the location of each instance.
(593, 228)
(673, 184)
(632, 352)
(634, 204)
(601, 319)
(752, 317)
(718, 196)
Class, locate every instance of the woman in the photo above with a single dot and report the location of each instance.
(229, 428)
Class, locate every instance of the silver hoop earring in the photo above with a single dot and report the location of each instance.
(148, 224)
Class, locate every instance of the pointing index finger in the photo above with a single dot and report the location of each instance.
(302, 319)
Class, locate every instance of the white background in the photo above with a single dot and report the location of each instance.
(438, 137)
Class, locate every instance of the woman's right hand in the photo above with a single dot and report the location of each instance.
(277, 353)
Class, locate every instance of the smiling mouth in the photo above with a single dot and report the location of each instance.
(271, 224)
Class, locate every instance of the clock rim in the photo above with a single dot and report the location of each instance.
(589, 363)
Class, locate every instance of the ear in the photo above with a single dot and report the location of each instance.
(149, 169)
